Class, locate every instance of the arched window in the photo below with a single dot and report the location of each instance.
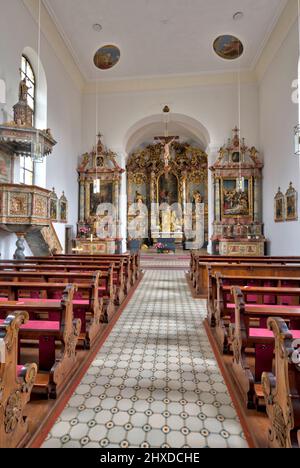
(28, 73)
(26, 164)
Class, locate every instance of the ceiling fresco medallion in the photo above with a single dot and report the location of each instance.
(107, 57)
(228, 47)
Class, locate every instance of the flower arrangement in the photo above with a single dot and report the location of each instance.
(159, 247)
(84, 231)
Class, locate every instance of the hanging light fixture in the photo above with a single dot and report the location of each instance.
(37, 145)
(240, 182)
(297, 127)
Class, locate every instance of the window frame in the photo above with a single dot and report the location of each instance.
(24, 170)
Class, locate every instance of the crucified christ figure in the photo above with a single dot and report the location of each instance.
(166, 142)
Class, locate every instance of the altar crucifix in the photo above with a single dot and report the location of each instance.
(166, 142)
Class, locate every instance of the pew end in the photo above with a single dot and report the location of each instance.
(16, 384)
(282, 390)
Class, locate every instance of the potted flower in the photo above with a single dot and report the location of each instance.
(84, 231)
(159, 247)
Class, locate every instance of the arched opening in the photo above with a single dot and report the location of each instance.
(145, 174)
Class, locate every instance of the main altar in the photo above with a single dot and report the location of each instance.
(166, 203)
(99, 178)
(237, 175)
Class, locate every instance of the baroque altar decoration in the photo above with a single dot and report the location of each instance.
(171, 180)
(99, 177)
(237, 175)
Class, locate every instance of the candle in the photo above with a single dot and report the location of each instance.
(92, 237)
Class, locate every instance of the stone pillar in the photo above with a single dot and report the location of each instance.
(19, 253)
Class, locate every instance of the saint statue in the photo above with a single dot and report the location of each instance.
(23, 91)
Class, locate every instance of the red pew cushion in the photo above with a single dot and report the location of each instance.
(265, 333)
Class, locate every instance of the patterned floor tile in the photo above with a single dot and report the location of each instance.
(155, 382)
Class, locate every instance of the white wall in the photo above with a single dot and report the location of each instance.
(278, 116)
(17, 31)
(215, 107)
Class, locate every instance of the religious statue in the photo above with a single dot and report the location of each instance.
(197, 197)
(167, 142)
(166, 220)
(176, 223)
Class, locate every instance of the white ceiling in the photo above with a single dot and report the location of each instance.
(162, 37)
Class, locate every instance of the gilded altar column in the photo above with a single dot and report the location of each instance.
(81, 201)
(153, 202)
(117, 208)
(87, 200)
(257, 200)
(217, 200)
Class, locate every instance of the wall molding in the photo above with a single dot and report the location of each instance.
(56, 41)
(280, 32)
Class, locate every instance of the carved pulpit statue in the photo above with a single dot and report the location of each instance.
(99, 203)
(237, 174)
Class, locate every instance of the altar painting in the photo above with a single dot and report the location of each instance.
(168, 189)
(236, 203)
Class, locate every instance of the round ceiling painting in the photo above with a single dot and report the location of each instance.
(107, 57)
(228, 47)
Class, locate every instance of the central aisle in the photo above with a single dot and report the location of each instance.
(155, 382)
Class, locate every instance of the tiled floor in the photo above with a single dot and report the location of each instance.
(155, 382)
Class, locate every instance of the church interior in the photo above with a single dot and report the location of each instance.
(149, 289)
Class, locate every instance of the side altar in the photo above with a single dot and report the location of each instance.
(237, 176)
(99, 178)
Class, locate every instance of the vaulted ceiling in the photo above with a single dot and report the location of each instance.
(163, 37)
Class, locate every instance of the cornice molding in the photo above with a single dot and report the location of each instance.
(167, 82)
(280, 32)
(56, 41)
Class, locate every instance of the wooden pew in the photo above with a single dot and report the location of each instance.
(106, 289)
(259, 338)
(53, 371)
(244, 269)
(200, 258)
(89, 310)
(282, 390)
(120, 278)
(16, 383)
(133, 260)
(218, 280)
(202, 266)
